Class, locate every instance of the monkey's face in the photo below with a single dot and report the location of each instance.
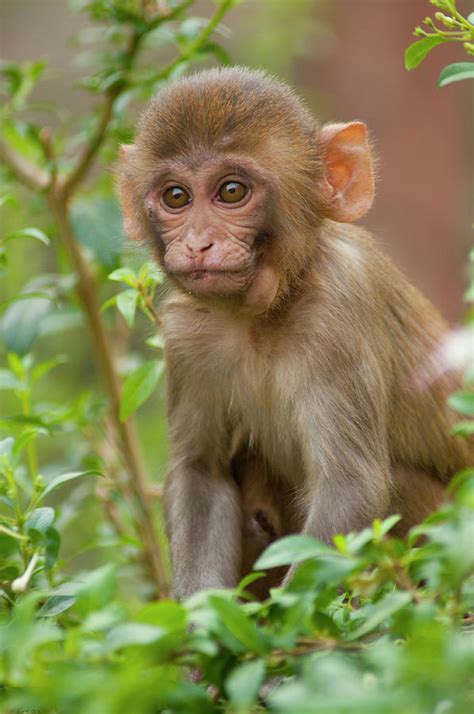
(209, 218)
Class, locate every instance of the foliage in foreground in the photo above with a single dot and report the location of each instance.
(374, 625)
(128, 49)
(448, 25)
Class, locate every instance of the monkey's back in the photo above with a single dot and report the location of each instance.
(385, 314)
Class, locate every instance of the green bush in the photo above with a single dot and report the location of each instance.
(374, 625)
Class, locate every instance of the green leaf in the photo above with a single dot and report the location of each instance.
(168, 614)
(40, 520)
(62, 598)
(61, 319)
(138, 387)
(109, 303)
(97, 589)
(416, 52)
(28, 435)
(133, 633)
(156, 342)
(243, 684)
(212, 48)
(56, 604)
(462, 402)
(21, 79)
(127, 305)
(20, 324)
(6, 449)
(381, 528)
(381, 611)
(462, 488)
(28, 233)
(19, 136)
(455, 73)
(9, 571)
(29, 295)
(248, 580)
(97, 222)
(44, 367)
(469, 294)
(8, 199)
(52, 544)
(9, 381)
(64, 478)
(292, 549)
(150, 275)
(124, 275)
(463, 428)
(239, 624)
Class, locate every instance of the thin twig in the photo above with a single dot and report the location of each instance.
(86, 158)
(46, 141)
(25, 172)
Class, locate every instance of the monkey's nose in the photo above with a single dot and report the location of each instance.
(199, 248)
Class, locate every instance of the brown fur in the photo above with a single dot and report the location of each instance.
(300, 416)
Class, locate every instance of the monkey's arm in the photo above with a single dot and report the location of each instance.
(203, 518)
(202, 504)
(343, 421)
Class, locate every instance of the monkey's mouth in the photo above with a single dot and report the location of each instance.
(214, 282)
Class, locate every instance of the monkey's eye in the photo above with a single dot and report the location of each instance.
(232, 192)
(176, 197)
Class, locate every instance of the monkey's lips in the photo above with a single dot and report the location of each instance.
(214, 282)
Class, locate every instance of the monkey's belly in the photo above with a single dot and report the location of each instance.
(266, 430)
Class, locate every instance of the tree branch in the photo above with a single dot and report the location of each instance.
(25, 172)
(86, 158)
(59, 190)
(87, 293)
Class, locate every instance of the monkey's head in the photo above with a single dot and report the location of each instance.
(230, 177)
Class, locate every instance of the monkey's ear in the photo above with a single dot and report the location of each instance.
(349, 176)
(130, 221)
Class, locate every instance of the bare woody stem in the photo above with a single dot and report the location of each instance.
(25, 172)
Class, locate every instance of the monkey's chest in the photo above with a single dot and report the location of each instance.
(261, 403)
(233, 385)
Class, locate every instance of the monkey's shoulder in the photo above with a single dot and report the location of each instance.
(361, 275)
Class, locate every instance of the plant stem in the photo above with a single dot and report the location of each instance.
(125, 431)
(59, 191)
(23, 170)
(31, 447)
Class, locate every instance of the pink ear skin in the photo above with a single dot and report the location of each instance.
(349, 180)
(130, 223)
(125, 151)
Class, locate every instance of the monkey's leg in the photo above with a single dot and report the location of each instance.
(415, 494)
(346, 467)
(203, 519)
(262, 521)
(267, 514)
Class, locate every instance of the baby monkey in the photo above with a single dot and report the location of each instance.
(290, 340)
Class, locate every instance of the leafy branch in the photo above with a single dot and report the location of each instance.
(448, 25)
(50, 175)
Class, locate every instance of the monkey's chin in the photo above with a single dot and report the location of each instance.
(214, 283)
